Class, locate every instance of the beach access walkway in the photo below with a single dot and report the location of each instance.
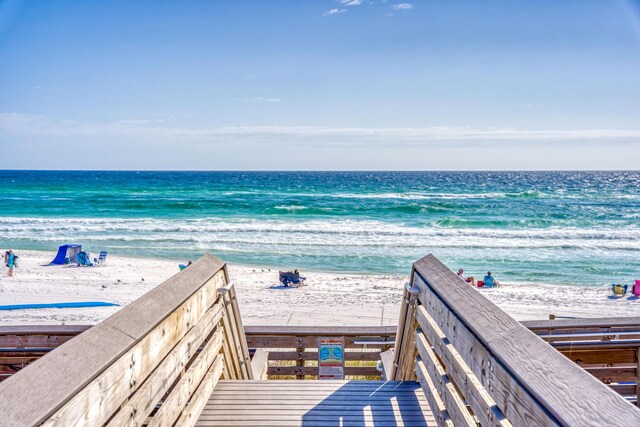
(316, 403)
(180, 356)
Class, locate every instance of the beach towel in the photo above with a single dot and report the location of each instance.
(81, 304)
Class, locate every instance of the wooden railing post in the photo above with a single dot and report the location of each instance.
(404, 353)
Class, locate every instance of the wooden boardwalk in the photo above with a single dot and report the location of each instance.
(316, 403)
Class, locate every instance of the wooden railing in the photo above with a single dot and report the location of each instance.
(609, 349)
(294, 350)
(154, 362)
(478, 365)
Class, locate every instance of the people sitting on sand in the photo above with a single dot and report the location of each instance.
(294, 277)
(489, 281)
(469, 279)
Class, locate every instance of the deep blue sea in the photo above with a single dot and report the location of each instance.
(580, 228)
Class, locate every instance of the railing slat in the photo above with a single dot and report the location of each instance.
(472, 390)
(450, 397)
(144, 401)
(433, 396)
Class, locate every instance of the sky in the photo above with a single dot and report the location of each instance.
(320, 85)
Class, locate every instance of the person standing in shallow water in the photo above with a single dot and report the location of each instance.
(10, 261)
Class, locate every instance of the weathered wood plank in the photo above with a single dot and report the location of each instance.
(190, 415)
(321, 331)
(452, 400)
(387, 363)
(499, 382)
(259, 364)
(46, 330)
(269, 402)
(241, 336)
(230, 348)
(174, 404)
(145, 399)
(472, 390)
(601, 322)
(51, 382)
(29, 397)
(313, 355)
(313, 370)
(478, 321)
(309, 341)
(125, 375)
(438, 407)
(612, 356)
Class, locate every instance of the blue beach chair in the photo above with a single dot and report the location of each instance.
(102, 259)
(83, 260)
(287, 277)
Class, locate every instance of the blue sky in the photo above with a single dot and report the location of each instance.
(322, 84)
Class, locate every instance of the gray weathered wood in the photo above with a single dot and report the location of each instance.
(443, 386)
(387, 363)
(470, 387)
(465, 315)
(177, 400)
(259, 364)
(146, 398)
(325, 403)
(33, 395)
(438, 407)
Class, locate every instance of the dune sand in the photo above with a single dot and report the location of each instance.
(326, 299)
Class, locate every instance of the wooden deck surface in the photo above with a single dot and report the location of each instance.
(316, 403)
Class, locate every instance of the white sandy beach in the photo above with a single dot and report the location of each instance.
(326, 298)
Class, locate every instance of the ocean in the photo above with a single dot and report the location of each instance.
(574, 228)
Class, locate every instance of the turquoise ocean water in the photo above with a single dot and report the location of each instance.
(580, 228)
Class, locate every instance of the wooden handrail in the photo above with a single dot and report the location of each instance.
(179, 338)
(477, 364)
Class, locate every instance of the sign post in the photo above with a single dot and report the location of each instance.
(331, 358)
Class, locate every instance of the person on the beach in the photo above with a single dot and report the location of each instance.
(10, 261)
(489, 281)
(469, 279)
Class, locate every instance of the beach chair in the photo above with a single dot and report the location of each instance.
(83, 260)
(636, 289)
(619, 290)
(287, 277)
(102, 259)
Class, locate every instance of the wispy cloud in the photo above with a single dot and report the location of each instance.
(36, 125)
(334, 12)
(261, 99)
(403, 6)
(350, 2)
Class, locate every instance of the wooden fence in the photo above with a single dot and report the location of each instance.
(154, 362)
(607, 348)
(294, 350)
(478, 365)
